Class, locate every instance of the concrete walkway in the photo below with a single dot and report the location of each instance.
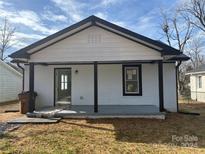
(27, 120)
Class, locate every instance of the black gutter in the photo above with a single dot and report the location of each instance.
(23, 71)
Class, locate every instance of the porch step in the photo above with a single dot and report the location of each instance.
(67, 114)
(160, 116)
(105, 111)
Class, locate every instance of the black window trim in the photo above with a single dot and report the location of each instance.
(140, 80)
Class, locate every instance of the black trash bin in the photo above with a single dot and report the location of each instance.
(24, 101)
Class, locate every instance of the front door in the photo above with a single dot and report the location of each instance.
(62, 86)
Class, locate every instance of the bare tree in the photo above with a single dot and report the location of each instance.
(6, 34)
(196, 11)
(177, 29)
(195, 49)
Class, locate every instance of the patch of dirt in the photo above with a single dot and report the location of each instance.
(5, 127)
(5, 116)
(8, 116)
(197, 107)
(14, 105)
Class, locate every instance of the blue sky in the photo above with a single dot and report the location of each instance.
(36, 19)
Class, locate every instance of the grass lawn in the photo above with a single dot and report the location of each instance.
(112, 135)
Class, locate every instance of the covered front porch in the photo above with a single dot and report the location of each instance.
(98, 87)
(104, 111)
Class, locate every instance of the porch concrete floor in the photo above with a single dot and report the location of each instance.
(104, 111)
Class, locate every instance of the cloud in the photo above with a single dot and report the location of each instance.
(27, 18)
(26, 22)
(120, 23)
(105, 4)
(50, 16)
(20, 40)
(72, 8)
(147, 24)
(4, 4)
(106, 17)
(101, 15)
(108, 2)
(20, 36)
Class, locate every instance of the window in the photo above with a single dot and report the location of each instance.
(64, 82)
(199, 81)
(132, 84)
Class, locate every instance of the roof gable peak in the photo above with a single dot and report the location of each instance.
(96, 21)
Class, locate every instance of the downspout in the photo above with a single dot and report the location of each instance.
(23, 75)
(177, 88)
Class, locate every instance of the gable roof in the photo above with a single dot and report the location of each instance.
(9, 67)
(95, 21)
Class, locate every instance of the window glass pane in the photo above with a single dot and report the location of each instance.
(66, 85)
(200, 82)
(66, 78)
(62, 78)
(131, 73)
(128, 74)
(131, 86)
(62, 86)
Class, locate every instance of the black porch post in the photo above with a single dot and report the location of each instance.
(95, 87)
(31, 105)
(161, 88)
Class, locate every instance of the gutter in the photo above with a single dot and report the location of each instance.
(23, 70)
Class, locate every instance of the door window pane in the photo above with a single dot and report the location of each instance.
(62, 86)
(66, 85)
(62, 78)
(66, 78)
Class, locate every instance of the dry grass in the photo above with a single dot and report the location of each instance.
(8, 116)
(110, 135)
(12, 105)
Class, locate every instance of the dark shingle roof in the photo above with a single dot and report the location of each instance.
(199, 69)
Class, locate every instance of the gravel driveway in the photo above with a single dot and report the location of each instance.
(4, 127)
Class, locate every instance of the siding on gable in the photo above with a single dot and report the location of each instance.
(10, 84)
(95, 44)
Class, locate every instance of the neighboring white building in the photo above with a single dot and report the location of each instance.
(10, 82)
(197, 84)
(95, 62)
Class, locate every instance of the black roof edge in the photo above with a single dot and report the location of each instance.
(181, 57)
(166, 49)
